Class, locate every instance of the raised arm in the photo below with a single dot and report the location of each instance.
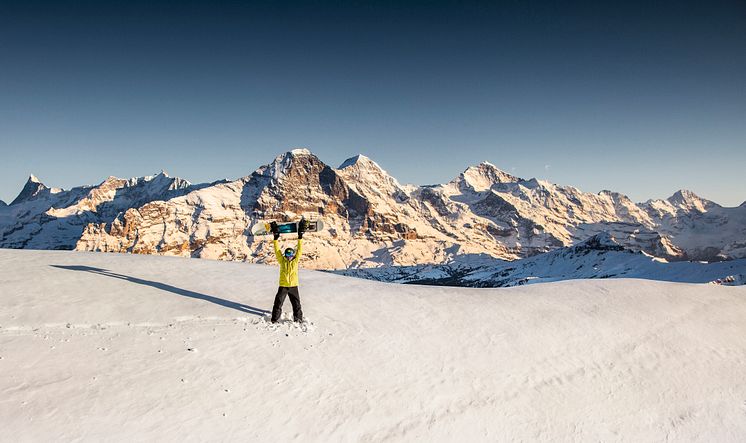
(298, 249)
(278, 253)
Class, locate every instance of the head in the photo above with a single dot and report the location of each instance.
(289, 253)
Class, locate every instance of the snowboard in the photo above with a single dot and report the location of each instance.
(263, 228)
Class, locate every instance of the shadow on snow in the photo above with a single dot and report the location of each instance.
(165, 287)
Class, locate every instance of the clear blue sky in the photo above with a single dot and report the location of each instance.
(638, 97)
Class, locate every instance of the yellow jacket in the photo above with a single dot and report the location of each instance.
(288, 268)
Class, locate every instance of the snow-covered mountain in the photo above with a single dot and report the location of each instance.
(372, 219)
(51, 218)
(597, 257)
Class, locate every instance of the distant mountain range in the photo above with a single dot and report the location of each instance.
(597, 257)
(372, 219)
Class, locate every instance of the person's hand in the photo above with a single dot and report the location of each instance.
(275, 230)
(302, 225)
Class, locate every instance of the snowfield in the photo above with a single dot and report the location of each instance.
(107, 347)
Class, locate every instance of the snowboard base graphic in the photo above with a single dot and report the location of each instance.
(263, 228)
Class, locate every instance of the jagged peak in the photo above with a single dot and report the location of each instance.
(683, 195)
(535, 183)
(163, 177)
(31, 189)
(160, 179)
(486, 167)
(285, 161)
(160, 175)
(114, 179)
(687, 198)
(366, 170)
(300, 151)
(484, 175)
(293, 153)
(615, 196)
(603, 241)
(363, 163)
(359, 159)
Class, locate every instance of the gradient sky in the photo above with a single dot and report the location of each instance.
(642, 98)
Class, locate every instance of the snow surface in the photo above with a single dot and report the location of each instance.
(111, 347)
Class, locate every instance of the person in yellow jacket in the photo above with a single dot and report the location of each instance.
(288, 261)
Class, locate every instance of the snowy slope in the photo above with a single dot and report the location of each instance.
(112, 347)
(597, 257)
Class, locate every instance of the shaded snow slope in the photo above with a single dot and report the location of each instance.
(113, 347)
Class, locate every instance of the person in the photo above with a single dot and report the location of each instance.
(288, 261)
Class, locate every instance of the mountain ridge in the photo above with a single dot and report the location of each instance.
(598, 257)
(373, 220)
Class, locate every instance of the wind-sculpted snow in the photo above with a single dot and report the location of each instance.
(372, 219)
(115, 347)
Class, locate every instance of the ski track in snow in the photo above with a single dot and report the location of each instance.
(92, 356)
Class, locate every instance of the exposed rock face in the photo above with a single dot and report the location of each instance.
(372, 220)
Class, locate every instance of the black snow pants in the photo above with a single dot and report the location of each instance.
(282, 291)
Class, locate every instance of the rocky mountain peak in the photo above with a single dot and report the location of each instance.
(615, 196)
(686, 199)
(603, 241)
(366, 176)
(32, 189)
(482, 211)
(163, 180)
(359, 160)
(483, 176)
(285, 163)
(361, 167)
(300, 151)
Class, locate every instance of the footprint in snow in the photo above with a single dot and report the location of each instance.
(286, 323)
